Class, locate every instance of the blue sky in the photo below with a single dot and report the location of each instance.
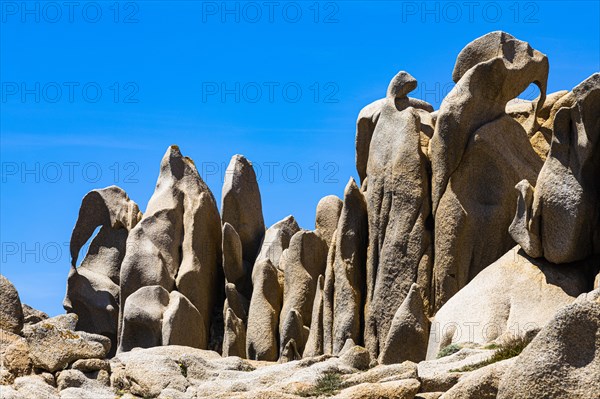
(93, 93)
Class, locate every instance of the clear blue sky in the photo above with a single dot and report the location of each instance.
(93, 93)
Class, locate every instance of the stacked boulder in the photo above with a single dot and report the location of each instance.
(39, 354)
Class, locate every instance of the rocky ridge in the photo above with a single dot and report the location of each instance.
(466, 263)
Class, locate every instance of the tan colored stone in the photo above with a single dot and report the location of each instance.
(263, 317)
(477, 145)
(328, 214)
(397, 197)
(513, 295)
(481, 383)
(349, 268)
(562, 361)
(11, 312)
(409, 332)
(559, 218)
(303, 261)
(403, 389)
(241, 206)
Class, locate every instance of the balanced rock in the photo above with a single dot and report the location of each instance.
(11, 312)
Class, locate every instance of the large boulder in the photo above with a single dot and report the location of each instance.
(234, 340)
(241, 206)
(482, 383)
(262, 332)
(11, 312)
(14, 354)
(152, 317)
(52, 347)
(177, 244)
(513, 295)
(303, 262)
(328, 214)
(32, 316)
(563, 360)
(314, 342)
(93, 287)
(397, 196)
(277, 239)
(478, 155)
(234, 266)
(349, 268)
(407, 339)
(559, 219)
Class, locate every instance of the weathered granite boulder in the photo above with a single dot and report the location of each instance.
(52, 347)
(241, 206)
(153, 317)
(328, 214)
(276, 240)
(177, 245)
(563, 360)
(11, 312)
(409, 332)
(478, 153)
(398, 205)
(303, 262)
(511, 296)
(349, 268)
(93, 289)
(262, 334)
(559, 219)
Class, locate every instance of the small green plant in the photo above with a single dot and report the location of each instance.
(329, 384)
(448, 350)
(183, 368)
(510, 348)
